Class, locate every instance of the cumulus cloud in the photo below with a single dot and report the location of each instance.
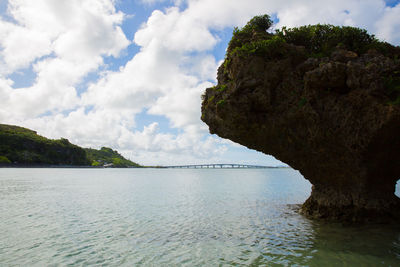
(149, 2)
(388, 26)
(63, 41)
(68, 40)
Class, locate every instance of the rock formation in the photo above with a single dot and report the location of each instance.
(323, 99)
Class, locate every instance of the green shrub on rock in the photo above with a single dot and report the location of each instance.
(270, 48)
(4, 160)
(258, 23)
(321, 40)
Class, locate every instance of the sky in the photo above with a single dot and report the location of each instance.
(129, 74)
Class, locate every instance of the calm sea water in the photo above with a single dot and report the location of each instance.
(170, 217)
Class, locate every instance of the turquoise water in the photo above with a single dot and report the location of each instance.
(170, 217)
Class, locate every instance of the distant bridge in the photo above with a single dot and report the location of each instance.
(218, 166)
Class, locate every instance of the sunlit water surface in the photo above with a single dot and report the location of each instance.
(175, 217)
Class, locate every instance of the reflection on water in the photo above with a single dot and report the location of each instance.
(175, 217)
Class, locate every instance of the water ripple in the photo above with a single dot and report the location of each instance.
(70, 217)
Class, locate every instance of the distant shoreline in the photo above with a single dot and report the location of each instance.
(26, 166)
(39, 166)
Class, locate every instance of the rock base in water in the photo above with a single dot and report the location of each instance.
(332, 204)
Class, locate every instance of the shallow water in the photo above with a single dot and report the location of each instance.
(175, 217)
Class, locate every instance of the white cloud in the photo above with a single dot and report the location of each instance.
(69, 39)
(14, 54)
(181, 105)
(64, 40)
(151, 2)
(388, 26)
(175, 31)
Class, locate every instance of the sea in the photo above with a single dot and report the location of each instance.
(176, 217)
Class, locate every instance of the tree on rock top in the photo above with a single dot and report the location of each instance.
(258, 23)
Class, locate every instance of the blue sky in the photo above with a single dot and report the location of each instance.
(129, 74)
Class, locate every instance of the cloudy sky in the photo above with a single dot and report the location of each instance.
(129, 74)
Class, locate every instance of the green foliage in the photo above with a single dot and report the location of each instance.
(238, 38)
(270, 48)
(258, 23)
(321, 40)
(25, 146)
(4, 159)
(226, 63)
(220, 88)
(318, 40)
(96, 163)
(106, 156)
(120, 162)
(221, 102)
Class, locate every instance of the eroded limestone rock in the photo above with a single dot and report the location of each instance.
(333, 118)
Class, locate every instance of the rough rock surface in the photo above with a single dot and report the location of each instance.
(335, 119)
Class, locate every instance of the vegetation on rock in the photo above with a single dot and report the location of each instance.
(318, 40)
(321, 40)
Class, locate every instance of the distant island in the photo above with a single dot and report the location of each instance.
(24, 147)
